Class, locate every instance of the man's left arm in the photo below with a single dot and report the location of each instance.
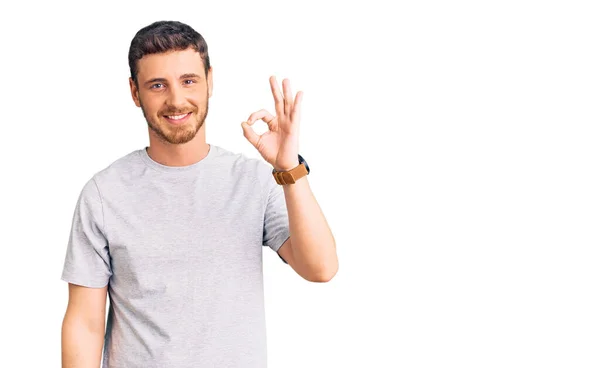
(311, 249)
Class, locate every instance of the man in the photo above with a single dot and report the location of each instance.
(173, 232)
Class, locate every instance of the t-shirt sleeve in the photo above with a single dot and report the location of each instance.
(87, 260)
(276, 224)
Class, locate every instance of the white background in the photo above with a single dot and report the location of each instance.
(454, 150)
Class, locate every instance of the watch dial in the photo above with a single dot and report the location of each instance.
(302, 161)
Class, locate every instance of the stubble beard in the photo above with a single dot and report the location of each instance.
(177, 134)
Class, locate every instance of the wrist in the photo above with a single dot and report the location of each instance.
(286, 167)
(288, 175)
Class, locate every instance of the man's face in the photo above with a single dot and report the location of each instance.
(173, 93)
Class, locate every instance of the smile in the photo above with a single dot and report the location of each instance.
(177, 119)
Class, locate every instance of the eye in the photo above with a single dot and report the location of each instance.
(155, 84)
(191, 81)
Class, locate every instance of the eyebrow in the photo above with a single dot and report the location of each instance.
(183, 76)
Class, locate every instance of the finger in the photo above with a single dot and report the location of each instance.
(277, 96)
(250, 134)
(287, 96)
(297, 107)
(265, 116)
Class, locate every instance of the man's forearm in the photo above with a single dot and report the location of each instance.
(81, 345)
(312, 242)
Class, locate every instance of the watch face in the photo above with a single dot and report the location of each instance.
(302, 161)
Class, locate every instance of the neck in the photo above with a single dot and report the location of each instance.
(178, 154)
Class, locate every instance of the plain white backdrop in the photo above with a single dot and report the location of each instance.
(454, 149)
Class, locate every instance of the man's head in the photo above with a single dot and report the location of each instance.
(171, 76)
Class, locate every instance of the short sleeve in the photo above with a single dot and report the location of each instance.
(276, 224)
(87, 260)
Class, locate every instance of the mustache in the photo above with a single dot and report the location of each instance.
(177, 112)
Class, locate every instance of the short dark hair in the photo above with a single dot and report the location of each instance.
(164, 36)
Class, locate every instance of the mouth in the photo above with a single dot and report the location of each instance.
(177, 119)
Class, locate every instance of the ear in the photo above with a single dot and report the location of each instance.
(209, 81)
(134, 92)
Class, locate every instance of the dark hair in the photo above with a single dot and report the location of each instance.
(164, 36)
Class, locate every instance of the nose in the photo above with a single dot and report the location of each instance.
(176, 97)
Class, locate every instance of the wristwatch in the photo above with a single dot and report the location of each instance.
(291, 176)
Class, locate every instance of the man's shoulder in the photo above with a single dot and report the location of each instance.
(242, 163)
(109, 173)
(115, 170)
(130, 166)
(123, 164)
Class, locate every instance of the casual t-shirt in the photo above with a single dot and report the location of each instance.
(181, 251)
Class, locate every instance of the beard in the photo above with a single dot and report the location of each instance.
(177, 134)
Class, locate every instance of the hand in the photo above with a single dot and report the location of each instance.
(279, 145)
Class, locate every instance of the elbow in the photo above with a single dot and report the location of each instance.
(321, 269)
(321, 279)
(325, 274)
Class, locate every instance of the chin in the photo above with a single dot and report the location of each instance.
(179, 135)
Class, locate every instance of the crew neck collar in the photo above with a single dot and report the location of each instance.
(143, 153)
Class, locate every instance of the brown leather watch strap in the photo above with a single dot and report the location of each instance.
(291, 176)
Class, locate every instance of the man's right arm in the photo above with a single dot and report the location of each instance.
(83, 327)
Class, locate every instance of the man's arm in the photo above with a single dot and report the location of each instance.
(83, 327)
(311, 249)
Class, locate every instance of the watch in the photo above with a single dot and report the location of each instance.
(291, 176)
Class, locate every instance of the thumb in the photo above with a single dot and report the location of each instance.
(250, 134)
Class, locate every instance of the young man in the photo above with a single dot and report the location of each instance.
(173, 232)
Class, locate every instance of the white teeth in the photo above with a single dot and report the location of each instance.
(177, 117)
